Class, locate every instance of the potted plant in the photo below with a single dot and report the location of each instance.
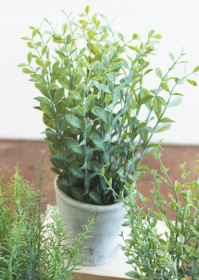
(174, 254)
(31, 244)
(91, 104)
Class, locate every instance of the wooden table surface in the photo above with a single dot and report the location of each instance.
(29, 154)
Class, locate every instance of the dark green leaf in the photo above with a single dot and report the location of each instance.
(74, 146)
(95, 197)
(58, 161)
(74, 121)
(132, 274)
(59, 94)
(97, 141)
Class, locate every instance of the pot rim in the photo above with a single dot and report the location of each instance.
(81, 205)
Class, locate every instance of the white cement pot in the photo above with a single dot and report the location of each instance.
(102, 247)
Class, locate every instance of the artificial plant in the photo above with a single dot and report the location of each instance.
(31, 242)
(175, 253)
(92, 81)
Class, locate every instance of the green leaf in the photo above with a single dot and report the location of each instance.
(35, 31)
(22, 65)
(29, 57)
(134, 48)
(132, 274)
(179, 249)
(104, 88)
(87, 10)
(58, 161)
(192, 82)
(30, 45)
(25, 38)
(99, 112)
(146, 99)
(39, 62)
(107, 99)
(165, 86)
(81, 72)
(97, 141)
(121, 37)
(157, 107)
(177, 101)
(74, 95)
(142, 168)
(162, 101)
(196, 69)
(165, 120)
(95, 197)
(162, 127)
(59, 94)
(64, 28)
(47, 63)
(44, 49)
(158, 72)
(116, 66)
(27, 71)
(194, 252)
(74, 146)
(48, 110)
(171, 56)
(76, 172)
(42, 100)
(74, 121)
(150, 151)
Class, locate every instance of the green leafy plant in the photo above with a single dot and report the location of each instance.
(92, 98)
(31, 244)
(174, 254)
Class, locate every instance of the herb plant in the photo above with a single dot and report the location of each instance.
(31, 244)
(92, 98)
(174, 254)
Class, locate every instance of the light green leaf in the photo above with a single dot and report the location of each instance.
(132, 274)
(108, 99)
(121, 37)
(196, 69)
(42, 100)
(177, 101)
(22, 65)
(171, 56)
(142, 168)
(164, 86)
(157, 107)
(158, 72)
(104, 88)
(30, 45)
(146, 99)
(134, 48)
(47, 109)
(59, 94)
(150, 151)
(64, 28)
(74, 121)
(29, 57)
(97, 141)
(161, 99)
(192, 82)
(44, 49)
(27, 71)
(81, 72)
(39, 62)
(165, 120)
(74, 95)
(87, 10)
(162, 127)
(47, 63)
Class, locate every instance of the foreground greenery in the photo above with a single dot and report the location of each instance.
(175, 253)
(93, 86)
(31, 245)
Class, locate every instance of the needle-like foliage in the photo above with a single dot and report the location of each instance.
(32, 243)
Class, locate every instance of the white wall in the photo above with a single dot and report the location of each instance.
(176, 20)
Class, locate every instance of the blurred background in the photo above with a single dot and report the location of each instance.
(21, 126)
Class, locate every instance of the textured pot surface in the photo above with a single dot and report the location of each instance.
(102, 247)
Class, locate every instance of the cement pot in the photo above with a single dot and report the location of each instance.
(102, 247)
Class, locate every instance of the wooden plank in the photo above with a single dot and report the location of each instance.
(85, 276)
